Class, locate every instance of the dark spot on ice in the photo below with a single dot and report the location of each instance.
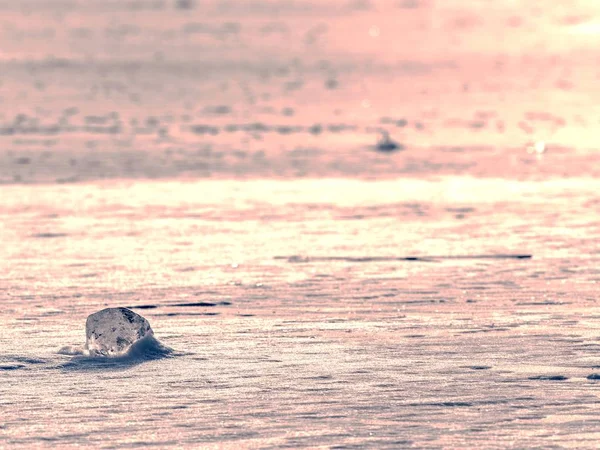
(338, 128)
(184, 4)
(143, 306)
(202, 304)
(479, 367)
(204, 129)
(195, 304)
(549, 378)
(49, 235)
(23, 160)
(294, 258)
(315, 129)
(463, 210)
(286, 129)
(320, 377)
(28, 360)
(451, 404)
(387, 144)
(11, 366)
(593, 376)
(189, 314)
(477, 124)
(331, 83)
(129, 315)
(217, 110)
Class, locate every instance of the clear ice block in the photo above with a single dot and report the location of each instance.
(112, 331)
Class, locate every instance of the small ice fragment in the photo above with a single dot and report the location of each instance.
(387, 144)
(112, 331)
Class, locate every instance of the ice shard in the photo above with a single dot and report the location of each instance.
(112, 331)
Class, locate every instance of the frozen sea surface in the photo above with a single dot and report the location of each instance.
(294, 323)
(213, 166)
(296, 88)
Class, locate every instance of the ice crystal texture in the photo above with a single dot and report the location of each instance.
(112, 331)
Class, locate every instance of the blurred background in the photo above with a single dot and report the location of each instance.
(294, 88)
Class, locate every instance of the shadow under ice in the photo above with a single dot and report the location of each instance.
(147, 349)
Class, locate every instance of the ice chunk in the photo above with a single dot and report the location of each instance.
(112, 331)
(386, 144)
